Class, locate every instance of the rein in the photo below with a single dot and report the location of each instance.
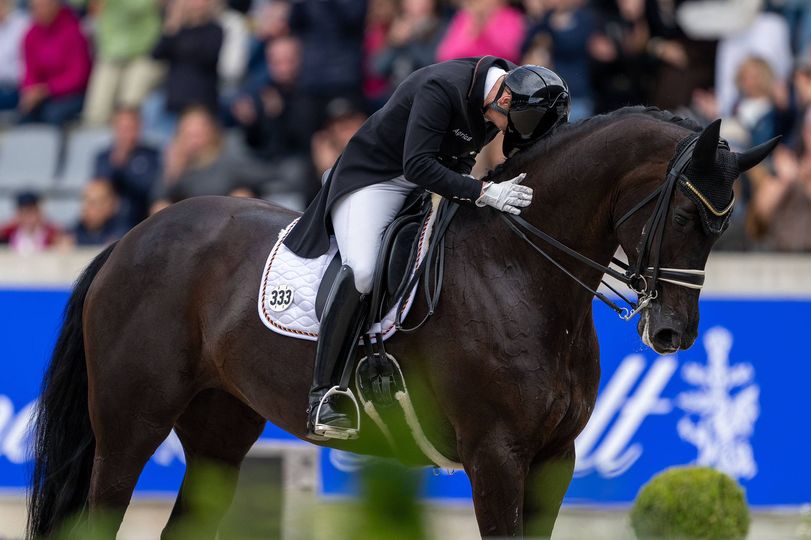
(642, 282)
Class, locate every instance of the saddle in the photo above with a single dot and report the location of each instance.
(294, 290)
(398, 256)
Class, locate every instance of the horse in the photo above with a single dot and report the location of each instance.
(161, 332)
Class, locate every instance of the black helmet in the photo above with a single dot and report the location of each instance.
(540, 101)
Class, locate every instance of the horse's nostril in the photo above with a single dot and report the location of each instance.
(667, 337)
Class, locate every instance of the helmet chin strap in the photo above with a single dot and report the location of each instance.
(498, 108)
(494, 104)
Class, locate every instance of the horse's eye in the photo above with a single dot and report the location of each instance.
(681, 219)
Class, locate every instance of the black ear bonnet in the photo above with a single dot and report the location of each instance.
(709, 185)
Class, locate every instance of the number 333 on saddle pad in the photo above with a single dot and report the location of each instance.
(289, 299)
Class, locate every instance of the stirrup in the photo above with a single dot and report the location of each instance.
(332, 432)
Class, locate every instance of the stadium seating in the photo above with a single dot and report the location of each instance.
(62, 211)
(6, 208)
(29, 156)
(81, 147)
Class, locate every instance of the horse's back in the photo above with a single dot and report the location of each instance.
(204, 219)
(190, 262)
(201, 227)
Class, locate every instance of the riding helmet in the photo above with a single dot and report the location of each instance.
(540, 101)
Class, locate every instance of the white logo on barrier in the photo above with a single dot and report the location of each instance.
(15, 436)
(14, 432)
(614, 454)
(719, 420)
(347, 461)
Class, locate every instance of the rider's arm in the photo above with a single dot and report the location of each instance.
(427, 124)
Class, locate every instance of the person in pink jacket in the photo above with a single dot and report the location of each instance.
(57, 65)
(484, 27)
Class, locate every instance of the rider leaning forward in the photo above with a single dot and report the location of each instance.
(426, 137)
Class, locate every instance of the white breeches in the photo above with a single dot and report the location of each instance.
(359, 220)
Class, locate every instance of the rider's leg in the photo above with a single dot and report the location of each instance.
(359, 220)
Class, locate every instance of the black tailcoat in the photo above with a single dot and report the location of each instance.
(430, 131)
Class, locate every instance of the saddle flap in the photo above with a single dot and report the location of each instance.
(402, 253)
(398, 253)
(304, 284)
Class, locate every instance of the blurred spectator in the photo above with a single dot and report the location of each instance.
(270, 117)
(801, 100)
(239, 6)
(564, 31)
(28, 231)
(131, 166)
(244, 192)
(535, 10)
(683, 64)
(756, 111)
(190, 45)
(802, 33)
(767, 37)
(196, 163)
(343, 120)
(376, 87)
(123, 73)
(411, 42)
(756, 116)
(622, 66)
(13, 25)
(331, 33)
(99, 223)
(236, 45)
(57, 65)
(484, 27)
(781, 205)
(270, 20)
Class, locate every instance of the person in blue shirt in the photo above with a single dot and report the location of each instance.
(131, 166)
(100, 223)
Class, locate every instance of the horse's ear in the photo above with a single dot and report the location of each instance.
(704, 153)
(753, 156)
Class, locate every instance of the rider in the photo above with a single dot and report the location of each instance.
(426, 137)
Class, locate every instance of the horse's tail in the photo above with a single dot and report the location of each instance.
(64, 444)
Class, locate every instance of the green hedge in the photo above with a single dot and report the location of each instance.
(690, 503)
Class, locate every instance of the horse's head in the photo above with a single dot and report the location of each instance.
(669, 239)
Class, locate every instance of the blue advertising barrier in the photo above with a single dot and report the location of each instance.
(736, 401)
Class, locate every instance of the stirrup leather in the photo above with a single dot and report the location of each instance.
(332, 432)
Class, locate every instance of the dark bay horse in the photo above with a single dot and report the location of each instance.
(162, 332)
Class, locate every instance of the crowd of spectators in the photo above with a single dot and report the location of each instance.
(256, 97)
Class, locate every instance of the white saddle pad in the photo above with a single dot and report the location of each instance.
(290, 284)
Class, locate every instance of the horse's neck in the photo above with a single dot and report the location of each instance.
(573, 200)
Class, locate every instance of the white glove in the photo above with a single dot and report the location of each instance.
(507, 196)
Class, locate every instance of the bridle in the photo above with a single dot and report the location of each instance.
(643, 276)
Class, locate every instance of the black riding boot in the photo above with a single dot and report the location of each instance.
(341, 325)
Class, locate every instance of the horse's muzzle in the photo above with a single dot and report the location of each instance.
(664, 336)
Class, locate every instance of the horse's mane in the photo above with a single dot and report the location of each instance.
(566, 131)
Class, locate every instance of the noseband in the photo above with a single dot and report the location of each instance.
(642, 277)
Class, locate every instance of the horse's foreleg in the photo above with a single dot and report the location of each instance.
(216, 430)
(547, 482)
(497, 474)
